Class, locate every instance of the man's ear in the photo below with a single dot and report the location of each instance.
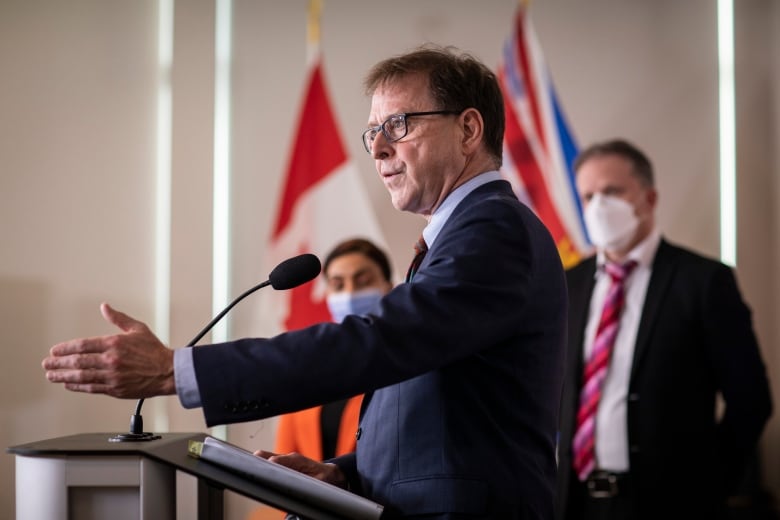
(473, 129)
(652, 197)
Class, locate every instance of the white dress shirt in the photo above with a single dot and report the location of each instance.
(611, 424)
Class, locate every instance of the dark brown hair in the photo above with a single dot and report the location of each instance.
(457, 81)
(364, 247)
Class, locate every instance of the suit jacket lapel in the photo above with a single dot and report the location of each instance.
(660, 279)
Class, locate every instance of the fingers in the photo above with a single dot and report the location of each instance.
(297, 462)
(96, 388)
(264, 454)
(89, 388)
(327, 472)
(79, 346)
(322, 471)
(86, 377)
(89, 381)
(120, 319)
(85, 361)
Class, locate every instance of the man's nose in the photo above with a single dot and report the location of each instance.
(381, 148)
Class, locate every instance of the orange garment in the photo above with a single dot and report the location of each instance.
(301, 432)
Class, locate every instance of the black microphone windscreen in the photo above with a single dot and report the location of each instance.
(295, 271)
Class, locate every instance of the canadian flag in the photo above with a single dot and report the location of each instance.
(322, 203)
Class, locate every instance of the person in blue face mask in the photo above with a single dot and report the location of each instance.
(357, 274)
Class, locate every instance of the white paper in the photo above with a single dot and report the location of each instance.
(294, 483)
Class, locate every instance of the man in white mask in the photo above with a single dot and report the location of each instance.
(656, 334)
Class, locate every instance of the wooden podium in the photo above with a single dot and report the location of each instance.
(86, 477)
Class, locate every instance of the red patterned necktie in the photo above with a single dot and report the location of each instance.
(420, 248)
(584, 447)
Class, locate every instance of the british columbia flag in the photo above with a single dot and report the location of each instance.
(538, 146)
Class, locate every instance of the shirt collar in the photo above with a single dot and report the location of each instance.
(643, 253)
(443, 212)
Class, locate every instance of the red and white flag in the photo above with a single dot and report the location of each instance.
(322, 203)
(538, 147)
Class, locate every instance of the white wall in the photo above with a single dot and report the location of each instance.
(757, 34)
(77, 154)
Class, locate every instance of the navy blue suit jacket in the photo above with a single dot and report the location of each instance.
(695, 340)
(465, 364)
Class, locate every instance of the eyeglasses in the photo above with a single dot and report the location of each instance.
(395, 128)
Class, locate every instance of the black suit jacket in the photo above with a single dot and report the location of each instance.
(466, 365)
(695, 341)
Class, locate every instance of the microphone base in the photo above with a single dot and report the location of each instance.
(134, 437)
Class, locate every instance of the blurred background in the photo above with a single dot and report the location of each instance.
(152, 179)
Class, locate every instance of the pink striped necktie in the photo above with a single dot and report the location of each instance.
(584, 460)
(420, 248)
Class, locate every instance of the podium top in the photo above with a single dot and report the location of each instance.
(99, 444)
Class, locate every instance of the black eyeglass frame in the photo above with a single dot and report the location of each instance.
(403, 117)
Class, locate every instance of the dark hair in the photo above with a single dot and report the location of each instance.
(457, 81)
(643, 169)
(364, 247)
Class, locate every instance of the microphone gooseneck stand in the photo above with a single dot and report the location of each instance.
(287, 275)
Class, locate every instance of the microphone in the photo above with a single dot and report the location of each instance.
(289, 274)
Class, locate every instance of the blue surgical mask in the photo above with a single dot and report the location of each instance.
(361, 303)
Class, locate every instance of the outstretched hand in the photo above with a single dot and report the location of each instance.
(131, 364)
(324, 471)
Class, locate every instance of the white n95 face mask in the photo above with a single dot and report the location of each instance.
(362, 302)
(611, 222)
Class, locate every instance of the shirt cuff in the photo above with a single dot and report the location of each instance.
(184, 375)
